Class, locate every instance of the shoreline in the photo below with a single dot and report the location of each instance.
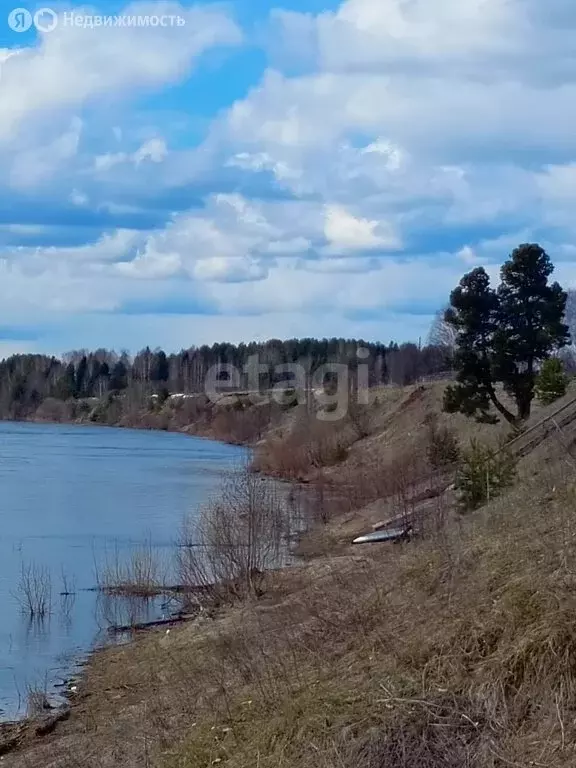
(14, 730)
(136, 427)
(74, 708)
(27, 730)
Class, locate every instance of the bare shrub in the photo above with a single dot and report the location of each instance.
(234, 539)
(67, 596)
(310, 445)
(243, 421)
(67, 584)
(137, 574)
(187, 410)
(359, 417)
(400, 477)
(53, 410)
(34, 590)
(37, 701)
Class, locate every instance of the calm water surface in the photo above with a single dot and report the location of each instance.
(72, 499)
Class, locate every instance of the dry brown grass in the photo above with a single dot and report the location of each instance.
(457, 650)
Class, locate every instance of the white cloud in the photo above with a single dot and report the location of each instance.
(150, 264)
(78, 198)
(341, 264)
(74, 64)
(558, 182)
(346, 232)
(372, 33)
(393, 154)
(38, 164)
(467, 255)
(410, 125)
(232, 270)
(263, 162)
(108, 249)
(154, 150)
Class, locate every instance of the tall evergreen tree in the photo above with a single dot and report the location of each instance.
(119, 377)
(503, 335)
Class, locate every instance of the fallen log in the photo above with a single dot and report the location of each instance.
(116, 629)
(391, 521)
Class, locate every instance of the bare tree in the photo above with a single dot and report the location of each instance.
(568, 354)
(442, 334)
(236, 538)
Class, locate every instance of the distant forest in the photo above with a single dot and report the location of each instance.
(27, 381)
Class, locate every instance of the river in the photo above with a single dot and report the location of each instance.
(72, 499)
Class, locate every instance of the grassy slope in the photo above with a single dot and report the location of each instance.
(459, 650)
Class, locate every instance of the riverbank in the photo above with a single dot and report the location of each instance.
(326, 500)
(235, 418)
(456, 649)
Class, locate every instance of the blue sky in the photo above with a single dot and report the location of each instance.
(276, 168)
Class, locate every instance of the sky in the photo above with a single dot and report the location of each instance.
(275, 168)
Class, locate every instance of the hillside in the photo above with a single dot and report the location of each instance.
(456, 650)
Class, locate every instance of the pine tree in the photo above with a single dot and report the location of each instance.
(551, 382)
(503, 335)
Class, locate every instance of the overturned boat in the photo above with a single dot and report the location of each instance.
(395, 534)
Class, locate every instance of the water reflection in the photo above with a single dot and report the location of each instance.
(113, 613)
(35, 633)
(66, 613)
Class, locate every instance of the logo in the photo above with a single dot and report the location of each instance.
(45, 20)
(20, 20)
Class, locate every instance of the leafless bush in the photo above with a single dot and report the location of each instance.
(359, 417)
(137, 574)
(67, 597)
(53, 410)
(34, 590)
(235, 539)
(243, 422)
(68, 584)
(305, 451)
(37, 700)
(379, 478)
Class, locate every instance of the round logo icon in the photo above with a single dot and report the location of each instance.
(20, 20)
(45, 20)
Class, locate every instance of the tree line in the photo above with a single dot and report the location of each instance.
(27, 380)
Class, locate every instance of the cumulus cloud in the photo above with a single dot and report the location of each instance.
(72, 65)
(230, 270)
(37, 164)
(346, 232)
(388, 147)
(154, 150)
